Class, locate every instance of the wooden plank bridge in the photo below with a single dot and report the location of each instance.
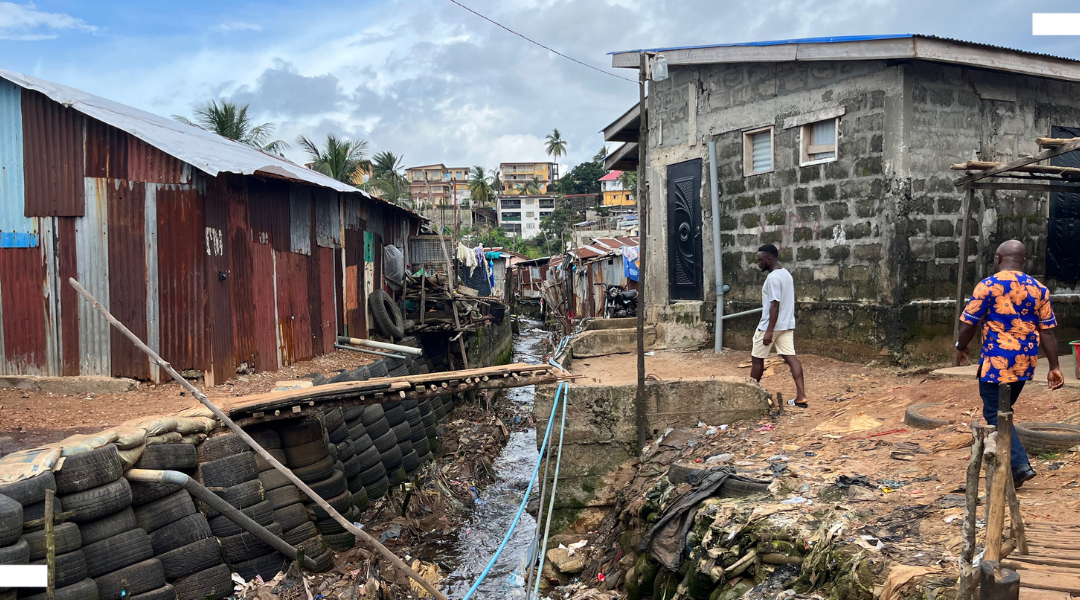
(294, 403)
(1051, 568)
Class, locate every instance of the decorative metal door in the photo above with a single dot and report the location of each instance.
(1063, 230)
(684, 230)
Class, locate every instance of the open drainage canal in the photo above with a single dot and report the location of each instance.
(496, 506)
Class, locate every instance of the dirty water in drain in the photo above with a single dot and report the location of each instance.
(497, 504)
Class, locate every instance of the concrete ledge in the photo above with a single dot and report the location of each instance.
(1066, 362)
(620, 323)
(610, 341)
(69, 385)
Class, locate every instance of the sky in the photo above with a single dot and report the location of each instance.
(425, 78)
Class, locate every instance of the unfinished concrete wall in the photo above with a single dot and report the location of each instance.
(872, 238)
(601, 431)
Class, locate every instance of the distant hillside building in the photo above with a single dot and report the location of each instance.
(434, 185)
(516, 174)
(614, 194)
(522, 215)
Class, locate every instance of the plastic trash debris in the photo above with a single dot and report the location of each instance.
(393, 532)
(650, 354)
(778, 457)
(724, 427)
(719, 458)
(711, 431)
(794, 500)
(701, 423)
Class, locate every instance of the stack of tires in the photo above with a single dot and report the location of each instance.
(113, 550)
(284, 498)
(227, 466)
(308, 455)
(418, 443)
(427, 418)
(356, 453)
(394, 413)
(14, 548)
(371, 437)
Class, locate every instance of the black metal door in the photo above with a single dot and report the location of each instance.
(684, 230)
(1063, 231)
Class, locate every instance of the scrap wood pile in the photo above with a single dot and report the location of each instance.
(435, 306)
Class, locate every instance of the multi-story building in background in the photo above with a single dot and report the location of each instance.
(614, 193)
(435, 185)
(516, 174)
(522, 215)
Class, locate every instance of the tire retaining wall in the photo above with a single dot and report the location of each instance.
(117, 540)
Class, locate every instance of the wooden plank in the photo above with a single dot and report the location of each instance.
(1034, 594)
(1022, 187)
(1051, 562)
(1022, 162)
(1045, 142)
(1046, 580)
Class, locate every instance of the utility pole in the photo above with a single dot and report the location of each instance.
(643, 142)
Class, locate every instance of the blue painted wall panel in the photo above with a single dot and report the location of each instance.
(12, 184)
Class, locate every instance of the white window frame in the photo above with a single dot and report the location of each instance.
(806, 132)
(748, 151)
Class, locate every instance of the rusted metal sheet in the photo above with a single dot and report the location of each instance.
(286, 344)
(314, 292)
(147, 163)
(352, 212)
(153, 295)
(68, 267)
(328, 324)
(263, 307)
(21, 277)
(327, 219)
(127, 275)
(269, 214)
(53, 157)
(219, 282)
(373, 217)
(301, 302)
(240, 272)
(106, 151)
(301, 210)
(91, 239)
(182, 277)
(16, 230)
(339, 290)
(355, 314)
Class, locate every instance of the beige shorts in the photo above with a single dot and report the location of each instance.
(783, 341)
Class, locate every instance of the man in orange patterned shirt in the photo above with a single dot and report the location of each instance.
(1017, 319)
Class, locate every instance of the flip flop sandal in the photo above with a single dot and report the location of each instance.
(792, 404)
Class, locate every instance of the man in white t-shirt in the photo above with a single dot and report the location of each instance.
(777, 326)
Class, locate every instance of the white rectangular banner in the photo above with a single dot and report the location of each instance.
(32, 576)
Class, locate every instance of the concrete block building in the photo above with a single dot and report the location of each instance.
(837, 151)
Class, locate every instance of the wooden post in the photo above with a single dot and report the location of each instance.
(643, 302)
(995, 521)
(961, 272)
(360, 534)
(1016, 520)
(50, 543)
(453, 303)
(968, 577)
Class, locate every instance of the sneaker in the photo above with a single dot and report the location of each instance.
(1021, 475)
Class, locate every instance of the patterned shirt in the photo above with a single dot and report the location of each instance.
(1015, 307)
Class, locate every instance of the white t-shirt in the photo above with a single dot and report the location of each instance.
(781, 287)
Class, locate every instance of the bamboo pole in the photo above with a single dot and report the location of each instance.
(356, 531)
(50, 544)
(995, 521)
(969, 579)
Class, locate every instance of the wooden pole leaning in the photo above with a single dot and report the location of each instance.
(269, 458)
(969, 578)
(50, 543)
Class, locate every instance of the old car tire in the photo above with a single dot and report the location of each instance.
(160, 513)
(283, 496)
(89, 470)
(163, 457)
(117, 552)
(15, 554)
(11, 521)
(291, 516)
(194, 557)
(386, 315)
(913, 417)
(70, 568)
(265, 566)
(241, 496)
(1048, 437)
(317, 471)
(143, 492)
(264, 465)
(272, 480)
(306, 454)
(328, 488)
(215, 582)
(66, 536)
(245, 546)
(107, 527)
(221, 446)
(188, 530)
(130, 581)
(82, 590)
(223, 526)
(95, 503)
(300, 533)
(229, 471)
(300, 433)
(165, 592)
(30, 490)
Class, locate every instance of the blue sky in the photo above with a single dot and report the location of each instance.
(425, 78)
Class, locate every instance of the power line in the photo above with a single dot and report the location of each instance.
(552, 50)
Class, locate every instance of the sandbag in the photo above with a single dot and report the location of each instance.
(171, 437)
(83, 443)
(130, 456)
(194, 439)
(128, 437)
(197, 411)
(188, 425)
(25, 464)
(154, 425)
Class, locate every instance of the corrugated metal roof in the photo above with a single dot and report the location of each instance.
(612, 176)
(202, 149)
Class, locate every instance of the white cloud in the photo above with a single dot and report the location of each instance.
(23, 22)
(237, 26)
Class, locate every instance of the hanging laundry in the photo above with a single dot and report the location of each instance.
(630, 262)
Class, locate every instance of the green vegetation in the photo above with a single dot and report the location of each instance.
(585, 177)
(343, 159)
(231, 120)
(387, 179)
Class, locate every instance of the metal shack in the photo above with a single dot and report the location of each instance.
(216, 253)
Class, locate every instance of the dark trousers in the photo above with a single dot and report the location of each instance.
(989, 393)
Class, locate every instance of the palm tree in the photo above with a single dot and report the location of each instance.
(343, 159)
(531, 187)
(481, 185)
(556, 146)
(387, 178)
(628, 180)
(496, 181)
(231, 120)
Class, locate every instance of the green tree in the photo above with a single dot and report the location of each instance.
(531, 187)
(481, 185)
(387, 177)
(555, 146)
(584, 178)
(231, 120)
(342, 159)
(628, 179)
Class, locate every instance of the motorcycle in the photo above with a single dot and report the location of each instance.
(619, 302)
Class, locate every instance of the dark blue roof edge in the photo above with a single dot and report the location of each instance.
(816, 40)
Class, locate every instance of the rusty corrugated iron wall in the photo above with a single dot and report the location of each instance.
(92, 247)
(21, 278)
(52, 157)
(127, 275)
(182, 277)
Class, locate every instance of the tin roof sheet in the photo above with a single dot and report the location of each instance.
(202, 149)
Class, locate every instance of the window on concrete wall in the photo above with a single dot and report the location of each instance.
(817, 142)
(758, 151)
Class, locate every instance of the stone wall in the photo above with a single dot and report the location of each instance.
(490, 345)
(601, 431)
(872, 238)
